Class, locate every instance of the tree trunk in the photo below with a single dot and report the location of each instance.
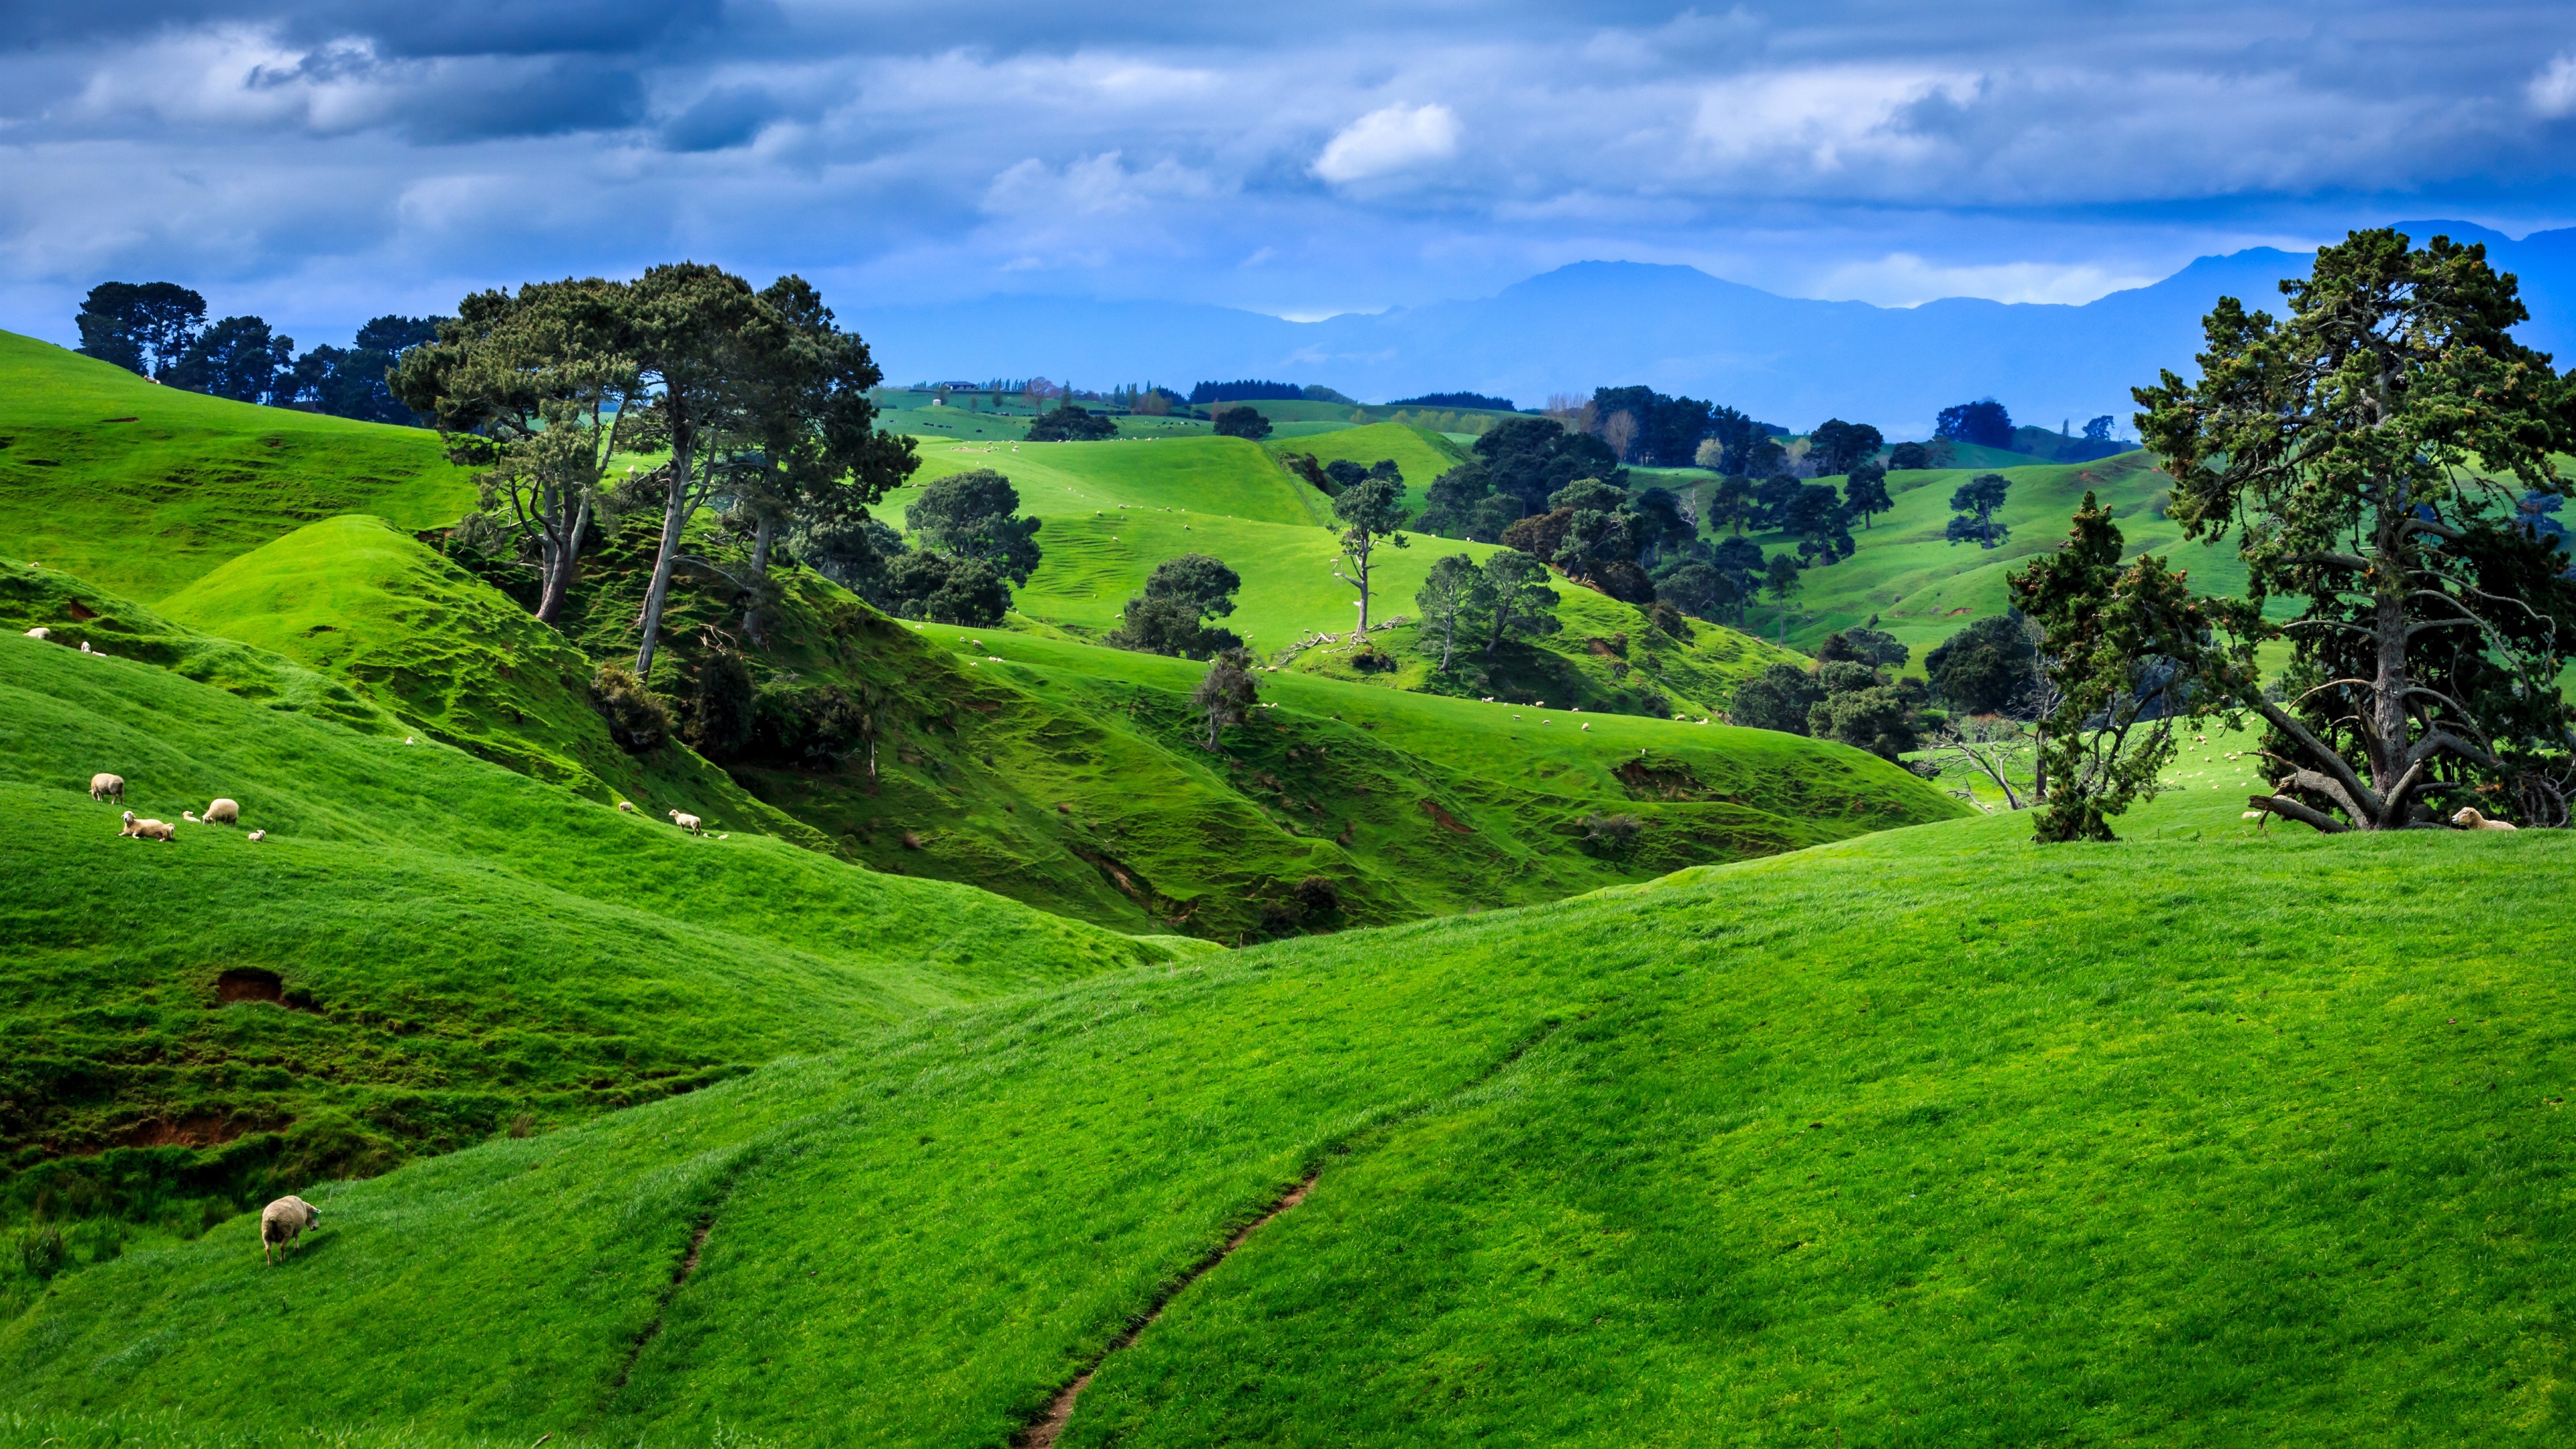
(760, 541)
(673, 517)
(1360, 561)
(563, 561)
(2039, 765)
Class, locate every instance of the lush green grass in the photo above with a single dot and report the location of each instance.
(1924, 588)
(141, 488)
(1422, 456)
(1114, 510)
(354, 597)
(461, 942)
(1931, 1137)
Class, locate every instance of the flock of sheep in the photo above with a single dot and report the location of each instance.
(219, 811)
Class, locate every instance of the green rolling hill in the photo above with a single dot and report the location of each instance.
(1895, 1141)
(140, 488)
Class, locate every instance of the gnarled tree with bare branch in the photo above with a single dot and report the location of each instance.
(2368, 450)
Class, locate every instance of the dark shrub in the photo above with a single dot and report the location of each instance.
(637, 718)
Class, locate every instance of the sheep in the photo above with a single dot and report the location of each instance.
(40, 632)
(282, 1222)
(626, 807)
(256, 835)
(688, 823)
(102, 785)
(148, 829)
(2470, 819)
(219, 812)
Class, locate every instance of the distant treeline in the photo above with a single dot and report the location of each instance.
(1253, 390)
(1456, 400)
(159, 329)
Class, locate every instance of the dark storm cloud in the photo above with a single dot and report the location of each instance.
(1299, 159)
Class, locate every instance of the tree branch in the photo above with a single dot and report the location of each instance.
(2293, 810)
(2283, 721)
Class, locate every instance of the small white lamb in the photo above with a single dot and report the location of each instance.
(256, 835)
(626, 806)
(2470, 819)
(688, 823)
(102, 785)
(40, 632)
(282, 1222)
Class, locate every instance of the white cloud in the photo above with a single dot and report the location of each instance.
(1095, 186)
(1902, 279)
(1392, 139)
(2553, 91)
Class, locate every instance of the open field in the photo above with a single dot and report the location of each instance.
(1898, 1140)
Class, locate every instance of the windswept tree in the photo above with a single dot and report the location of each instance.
(1452, 594)
(540, 389)
(1865, 491)
(799, 441)
(2369, 450)
(684, 334)
(1370, 512)
(142, 327)
(1972, 510)
(1226, 694)
(1521, 603)
(2132, 654)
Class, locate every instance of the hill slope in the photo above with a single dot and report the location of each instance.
(447, 943)
(1792, 1148)
(141, 488)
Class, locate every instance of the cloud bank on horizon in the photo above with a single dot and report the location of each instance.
(319, 163)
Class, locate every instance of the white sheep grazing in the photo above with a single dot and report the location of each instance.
(102, 785)
(2470, 819)
(282, 1222)
(688, 823)
(40, 632)
(220, 812)
(626, 806)
(148, 829)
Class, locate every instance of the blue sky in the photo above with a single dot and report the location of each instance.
(321, 161)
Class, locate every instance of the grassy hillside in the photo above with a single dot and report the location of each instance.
(1896, 1141)
(452, 943)
(1422, 456)
(141, 488)
(1114, 510)
(1924, 589)
(1074, 776)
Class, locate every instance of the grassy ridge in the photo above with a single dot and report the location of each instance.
(458, 942)
(1719, 1159)
(141, 488)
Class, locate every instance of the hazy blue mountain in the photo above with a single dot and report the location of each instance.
(1783, 359)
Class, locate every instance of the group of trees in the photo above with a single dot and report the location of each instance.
(1241, 421)
(2384, 456)
(1467, 605)
(1069, 423)
(758, 399)
(159, 329)
(1854, 695)
(1170, 616)
(973, 546)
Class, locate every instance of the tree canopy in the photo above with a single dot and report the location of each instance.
(1983, 422)
(1242, 421)
(975, 514)
(2370, 451)
(1972, 510)
(142, 327)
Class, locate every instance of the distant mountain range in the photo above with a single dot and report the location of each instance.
(1783, 359)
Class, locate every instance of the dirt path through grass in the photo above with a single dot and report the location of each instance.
(1042, 1434)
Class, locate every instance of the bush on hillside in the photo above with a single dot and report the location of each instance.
(1611, 835)
(1778, 698)
(1624, 581)
(1242, 422)
(714, 702)
(795, 723)
(637, 718)
(1985, 668)
(1070, 424)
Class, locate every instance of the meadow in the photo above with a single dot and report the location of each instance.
(1930, 1136)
